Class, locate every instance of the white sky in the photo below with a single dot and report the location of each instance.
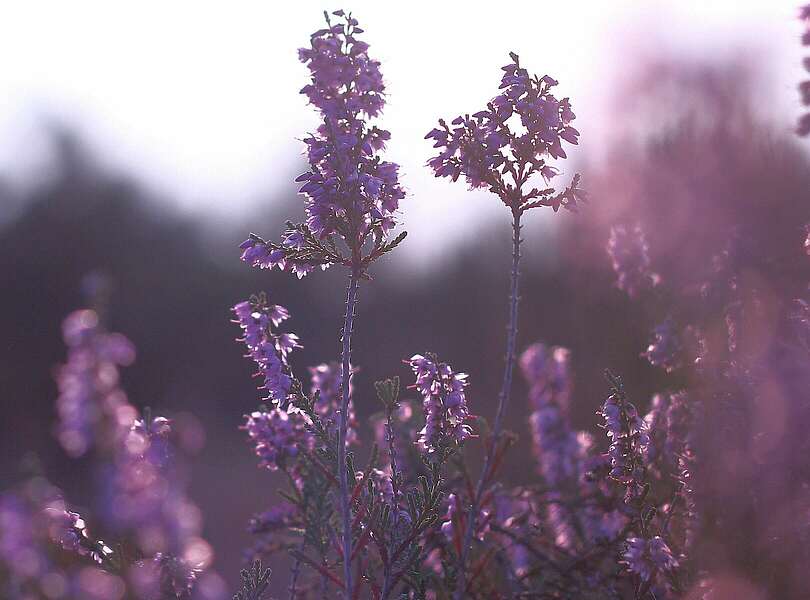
(201, 99)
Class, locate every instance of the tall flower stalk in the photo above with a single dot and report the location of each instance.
(351, 197)
(505, 148)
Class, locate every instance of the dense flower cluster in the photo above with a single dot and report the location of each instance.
(556, 445)
(147, 496)
(504, 145)
(670, 425)
(616, 517)
(350, 190)
(347, 181)
(566, 458)
(630, 255)
(628, 441)
(444, 402)
(506, 148)
(646, 557)
(665, 349)
(68, 529)
(277, 435)
(35, 520)
(88, 382)
(269, 350)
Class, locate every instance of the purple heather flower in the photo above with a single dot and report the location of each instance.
(502, 146)
(665, 349)
(513, 514)
(547, 371)
(88, 382)
(629, 254)
(268, 349)
(444, 402)
(629, 439)
(561, 453)
(21, 554)
(277, 517)
(68, 529)
(147, 496)
(556, 445)
(326, 380)
(278, 436)
(648, 557)
(670, 429)
(349, 190)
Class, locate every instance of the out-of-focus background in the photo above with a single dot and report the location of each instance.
(144, 141)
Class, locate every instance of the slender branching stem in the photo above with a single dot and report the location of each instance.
(296, 571)
(345, 375)
(503, 402)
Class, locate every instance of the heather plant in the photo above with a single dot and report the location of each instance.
(506, 148)
(48, 548)
(621, 512)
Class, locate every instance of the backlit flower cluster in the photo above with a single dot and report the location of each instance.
(68, 529)
(88, 381)
(669, 424)
(628, 441)
(565, 457)
(556, 445)
(268, 349)
(350, 190)
(277, 436)
(444, 402)
(630, 255)
(649, 557)
(504, 145)
(147, 495)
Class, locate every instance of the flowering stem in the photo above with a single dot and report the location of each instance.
(345, 375)
(503, 402)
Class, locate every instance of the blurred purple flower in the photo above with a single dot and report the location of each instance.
(629, 439)
(648, 558)
(629, 254)
(665, 349)
(88, 382)
(350, 191)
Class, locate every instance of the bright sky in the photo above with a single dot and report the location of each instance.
(201, 99)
